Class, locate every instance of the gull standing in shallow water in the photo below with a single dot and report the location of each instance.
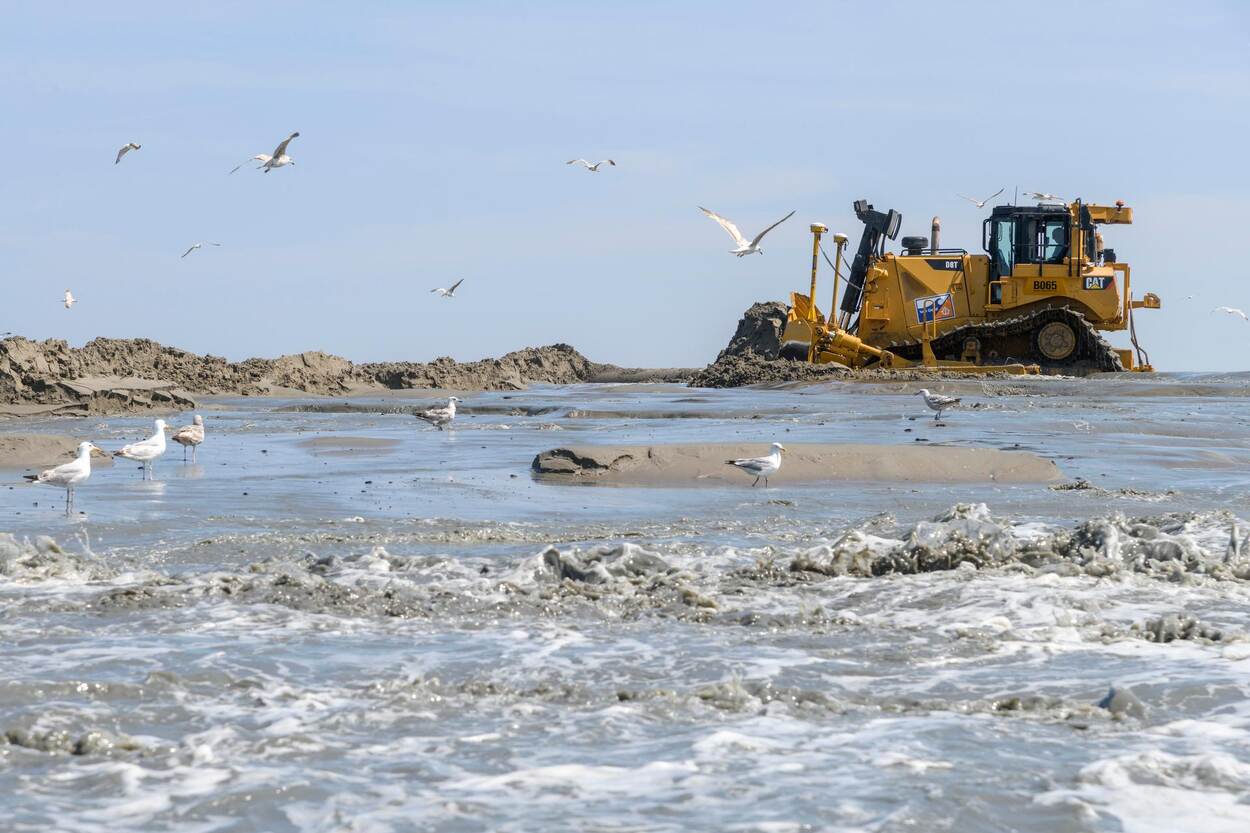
(937, 402)
(147, 450)
(745, 247)
(448, 292)
(126, 148)
(439, 417)
(276, 160)
(67, 475)
(763, 467)
(190, 436)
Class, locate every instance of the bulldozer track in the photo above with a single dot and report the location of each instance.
(1092, 352)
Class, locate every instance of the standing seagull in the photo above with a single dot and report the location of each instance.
(763, 467)
(146, 451)
(982, 203)
(937, 402)
(196, 246)
(69, 299)
(594, 169)
(448, 293)
(439, 417)
(190, 436)
(126, 148)
(276, 160)
(67, 475)
(1232, 311)
(745, 247)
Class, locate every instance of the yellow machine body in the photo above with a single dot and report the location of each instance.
(1037, 297)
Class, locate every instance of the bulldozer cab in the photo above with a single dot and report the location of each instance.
(1022, 235)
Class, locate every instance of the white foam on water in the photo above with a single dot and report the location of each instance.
(1153, 791)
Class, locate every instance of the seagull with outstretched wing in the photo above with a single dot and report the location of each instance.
(744, 246)
(277, 159)
(197, 246)
(126, 148)
(1232, 311)
(982, 203)
(448, 292)
(594, 169)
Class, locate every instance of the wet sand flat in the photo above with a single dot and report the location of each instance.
(705, 464)
(339, 445)
(26, 451)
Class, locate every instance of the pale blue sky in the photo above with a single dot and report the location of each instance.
(434, 138)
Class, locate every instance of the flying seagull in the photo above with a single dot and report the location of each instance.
(146, 451)
(275, 160)
(440, 417)
(70, 300)
(937, 402)
(448, 292)
(67, 475)
(745, 247)
(126, 148)
(1040, 197)
(198, 245)
(982, 203)
(1232, 311)
(190, 436)
(761, 466)
(594, 169)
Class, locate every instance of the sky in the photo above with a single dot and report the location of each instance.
(433, 138)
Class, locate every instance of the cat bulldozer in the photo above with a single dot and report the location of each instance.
(1036, 301)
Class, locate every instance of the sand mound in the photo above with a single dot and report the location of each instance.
(558, 364)
(704, 464)
(759, 332)
(118, 375)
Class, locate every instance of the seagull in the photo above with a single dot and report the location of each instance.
(937, 402)
(69, 300)
(761, 466)
(126, 148)
(67, 475)
(1232, 311)
(1040, 197)
(196, 246)
(190, 436)
(448, 293)
(439, 417)
(982, 203)
(594, 169)
(276, 160)
(147, 450)
(745, 247)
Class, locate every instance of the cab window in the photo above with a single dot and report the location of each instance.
(1004, 248)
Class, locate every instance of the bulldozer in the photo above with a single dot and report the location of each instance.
(1035, 301)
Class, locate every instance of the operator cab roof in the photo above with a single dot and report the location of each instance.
(1002, 212)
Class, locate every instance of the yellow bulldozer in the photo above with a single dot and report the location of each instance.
(1034, 302)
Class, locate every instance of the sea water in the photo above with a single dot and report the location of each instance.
(349, 621)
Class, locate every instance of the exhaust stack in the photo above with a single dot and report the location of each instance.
(935, 235)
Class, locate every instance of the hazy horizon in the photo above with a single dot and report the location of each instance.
(433, 142)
